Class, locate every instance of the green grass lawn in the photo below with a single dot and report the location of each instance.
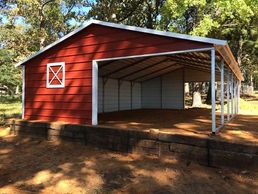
(10, 109)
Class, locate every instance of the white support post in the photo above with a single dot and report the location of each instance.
(213, 100)
(232, 95)
(228, 101)
(94, 115)
(238, 96)
(23, 91)
(235, 96)
(222, 91)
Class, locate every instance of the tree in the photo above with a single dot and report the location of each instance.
(143, 13)
(28, 26)
(233, 20)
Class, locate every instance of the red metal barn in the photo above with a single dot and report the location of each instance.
(103, 67)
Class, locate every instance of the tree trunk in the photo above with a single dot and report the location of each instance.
(17, 90)
(197, 98)
(208, 96)
(240, 50)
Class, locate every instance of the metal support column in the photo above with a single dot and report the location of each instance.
(228, 101)
(131, 93)
(238, 96)
(118, 94)
(222, 91)
(232, 96)
(213, 100)
(235, 95)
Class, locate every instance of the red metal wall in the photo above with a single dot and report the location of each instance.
(73, 103)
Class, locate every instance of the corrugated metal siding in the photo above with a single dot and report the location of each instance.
(125, 95)
(100, 95)
(111, 95)
(136, 96)
(73, 103)
(151, 93)
(173, 90)
(164, 92)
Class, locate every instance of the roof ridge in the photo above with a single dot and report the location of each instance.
(126, 27)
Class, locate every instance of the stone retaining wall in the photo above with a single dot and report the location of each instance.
(207, 151)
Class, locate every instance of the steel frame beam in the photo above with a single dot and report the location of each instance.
(144, 68)
(158, 73)
(127, 66)
(213, 99)
(153, 72)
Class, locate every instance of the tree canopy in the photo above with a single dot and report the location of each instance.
(28, 25)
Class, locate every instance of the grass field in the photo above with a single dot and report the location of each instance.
(9, 108)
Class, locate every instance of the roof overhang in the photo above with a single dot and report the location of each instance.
(220, 45)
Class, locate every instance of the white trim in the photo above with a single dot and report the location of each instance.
(49, 68)
(238, 96)
(95, 75)
(131, 28)
(162, 33)
(23, 92)
(213, 100)
(228, 93)
(156, 54)
(94, 115)
(232, 94)
(235, 96)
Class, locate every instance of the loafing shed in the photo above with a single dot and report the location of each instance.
(104, 67)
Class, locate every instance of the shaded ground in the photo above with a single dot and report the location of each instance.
(30, 165)
(197, 122)
(190, 121)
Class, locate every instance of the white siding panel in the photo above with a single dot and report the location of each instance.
(111, 96)
(125, 95)
(172, 90)
(100, 93)
(136, 101)
(151, 93)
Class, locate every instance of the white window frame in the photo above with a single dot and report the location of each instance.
(62, 81)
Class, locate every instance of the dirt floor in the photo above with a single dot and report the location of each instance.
(30, 165)
(197, 122)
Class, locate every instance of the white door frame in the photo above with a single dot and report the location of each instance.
(95, 74)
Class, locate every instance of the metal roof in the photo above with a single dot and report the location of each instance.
(221, 46)
(126, 27)
(145, 68)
